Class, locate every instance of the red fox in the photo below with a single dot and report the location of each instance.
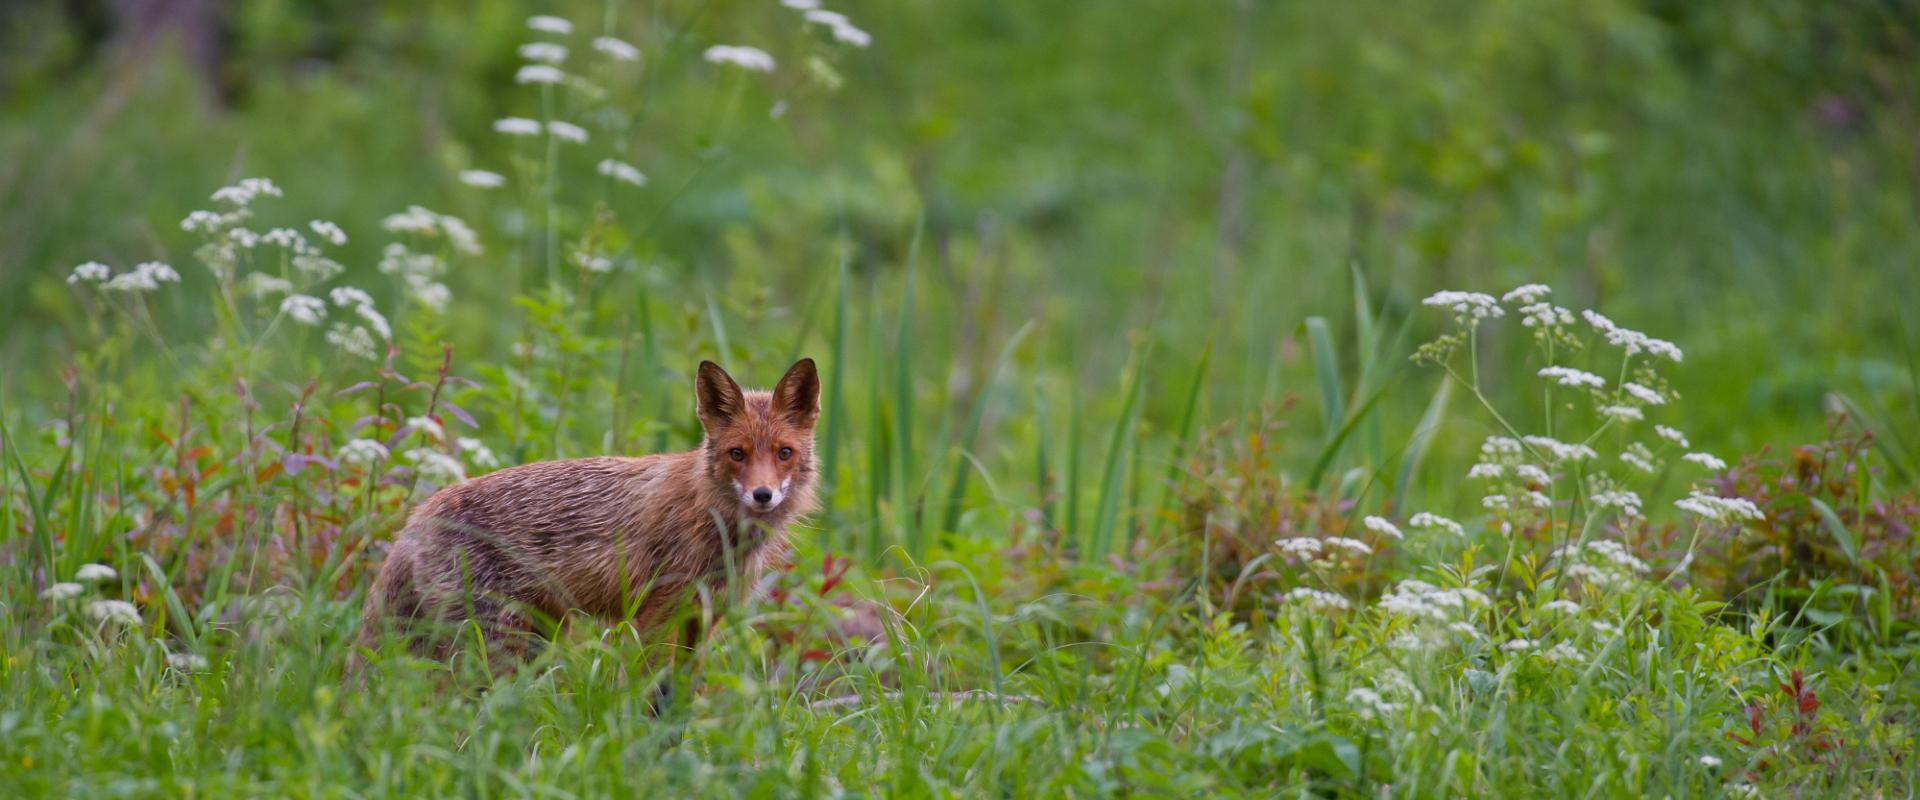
(615, 537)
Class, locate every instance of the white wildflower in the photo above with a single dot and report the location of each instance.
(1529, 293)
(1532, 474)
(93, 271)
(824, 17)
(1639, 462)
(362, 452)
(1544, 315)
(843, 28)
(429, 426)
(433, 295)
(1664, 348)
(246, 191)
(145, 277)
(63, 591)
(546, 23)
(539, 73)
(160, 272)
(1709, 762)
(749, 58)
(304, 309)
(1354, 546)
(1568, 376)
(1605, 628)
(1485, 471)
(477, 452)
(1304, 547)
(353, 340)
(1562, 606)
(1561, 451)
(187, 662)
(1628, 502)
(344, 296)
(1381, 526)
(616, 49)
(203, 220)
(1467, 306)
(1500, 446)
(114, 610)
(260, 285)
(1537, 500)
(1611, 554)
(544, 52)
(1318, 600)
(1622, 413)
(287, 238)
(1671, 435)
(317, 267)
(567, 131)
(517, 126)
(328, 231)
(94, 573)
(1589, 574)
(426, 223)
(1464, 628)
(1517, 645)
(1564, 651)
(1706, 460)
(1369, 704)
(1634, 342)
(1429, 521)
(483, 179)
(1719, 509)
(376, 320)
(593, 263)
(801, 5)
(1417, 598)
(621, 170)
(437, 467)
(1644, 394)
(1495, 502)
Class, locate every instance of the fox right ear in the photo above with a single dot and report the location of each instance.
(719, 398)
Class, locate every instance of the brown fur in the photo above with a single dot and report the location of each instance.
(614, 537)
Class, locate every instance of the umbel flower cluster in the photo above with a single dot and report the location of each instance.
(1575, 483)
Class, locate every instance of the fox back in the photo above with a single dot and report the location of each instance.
(614, 537)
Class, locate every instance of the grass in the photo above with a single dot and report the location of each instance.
(1070, 478)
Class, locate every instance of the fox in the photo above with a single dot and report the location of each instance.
(624, 539)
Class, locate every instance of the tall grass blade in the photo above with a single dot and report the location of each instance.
(836, 410)
(1110, 471)
(1326, 367)
(906, 526)
(957, 491)
(1174, 478)
(1421, 441)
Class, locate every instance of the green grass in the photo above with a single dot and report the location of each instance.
(1069, 406)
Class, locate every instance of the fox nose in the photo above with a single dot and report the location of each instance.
(763, 495)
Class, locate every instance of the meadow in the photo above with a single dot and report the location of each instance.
(1221, 399)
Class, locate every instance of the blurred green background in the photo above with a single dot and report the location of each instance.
(1739, 178)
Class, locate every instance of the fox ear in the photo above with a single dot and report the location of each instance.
(797, 397)
(720, 400)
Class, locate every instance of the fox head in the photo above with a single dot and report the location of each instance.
(759, 445)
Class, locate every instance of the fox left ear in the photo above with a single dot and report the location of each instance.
(797, 396)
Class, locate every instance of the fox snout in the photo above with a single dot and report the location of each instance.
(764, 498)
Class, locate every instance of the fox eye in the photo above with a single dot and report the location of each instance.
(786, 453)
(737, 454)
